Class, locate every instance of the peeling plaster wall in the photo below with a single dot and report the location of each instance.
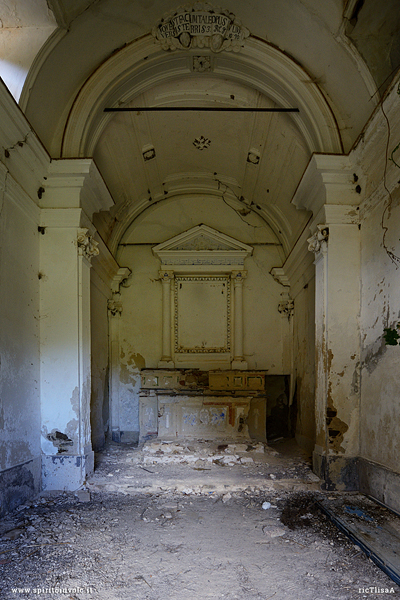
(99, 409)
(19, 350)
(65, 360)
(141, 321)
(380, 384)
(303, 411)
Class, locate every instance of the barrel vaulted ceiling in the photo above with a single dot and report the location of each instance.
(66, 61)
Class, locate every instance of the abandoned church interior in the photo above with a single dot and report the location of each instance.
(200, 223)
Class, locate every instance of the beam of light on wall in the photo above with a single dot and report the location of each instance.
(14, 76)
(19, 46)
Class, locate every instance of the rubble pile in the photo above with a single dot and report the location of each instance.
(201, 454)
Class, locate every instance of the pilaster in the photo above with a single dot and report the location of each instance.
(114, 324)
(337, 265)
(328, 189)
(238, 359)
(74, 190)
(166, 277)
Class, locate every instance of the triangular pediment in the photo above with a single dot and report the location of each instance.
(201, 238)
(202, 245)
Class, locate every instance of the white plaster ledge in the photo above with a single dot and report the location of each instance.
(76, 183)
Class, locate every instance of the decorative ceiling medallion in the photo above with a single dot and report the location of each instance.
(148, 152)
(253, 156)
(202, 64)
(202, 143)
(200, 26)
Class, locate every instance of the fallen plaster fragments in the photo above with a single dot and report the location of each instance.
(196, 467)
(168, 545)
(174, 530)
(166, 452)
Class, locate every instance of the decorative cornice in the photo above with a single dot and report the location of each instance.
(298, 269)
(105, 267)
(76, 183)
(121, 278)
(202, 245)
(280, 276)
(328, 179)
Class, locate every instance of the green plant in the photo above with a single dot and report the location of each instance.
(391, 336)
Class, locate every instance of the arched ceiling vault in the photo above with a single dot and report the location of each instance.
(324, 58)
(257, 158)
(142, 66)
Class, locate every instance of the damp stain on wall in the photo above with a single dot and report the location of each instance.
(372, 354)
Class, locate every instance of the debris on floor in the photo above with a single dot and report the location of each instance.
(173, 546)
(222, 532)
(199, 466)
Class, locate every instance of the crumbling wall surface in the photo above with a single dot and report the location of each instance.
(303, 387)
(99, 407)
(141, 319)
(380, 382)
(19, 346)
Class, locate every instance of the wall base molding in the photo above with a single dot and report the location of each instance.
(19, 484)
(349, 474)
(340, 473)
(380, 483)
(66, 472)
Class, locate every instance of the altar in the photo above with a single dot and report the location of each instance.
(192, 404)
(202, 388)
(190, 375)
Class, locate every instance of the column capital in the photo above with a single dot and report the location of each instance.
(87, 246)
(319, 241)
(238, 276)
(166, 275)
(114, 307)
(286, 305)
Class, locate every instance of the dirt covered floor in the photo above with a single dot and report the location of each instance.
(224, 530)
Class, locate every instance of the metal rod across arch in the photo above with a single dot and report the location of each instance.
(198, 109)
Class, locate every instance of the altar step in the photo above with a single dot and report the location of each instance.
(200, 467)
(192, 486)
